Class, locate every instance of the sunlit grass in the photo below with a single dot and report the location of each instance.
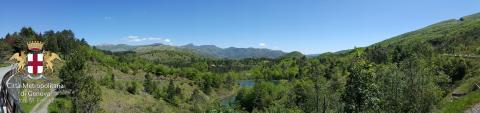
(461, 104)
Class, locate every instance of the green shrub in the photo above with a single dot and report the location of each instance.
(60, 104)
(133, 87)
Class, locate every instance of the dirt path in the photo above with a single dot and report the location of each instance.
(474, 109)
(42, 106)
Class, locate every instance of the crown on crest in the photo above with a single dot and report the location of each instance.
(35, 45)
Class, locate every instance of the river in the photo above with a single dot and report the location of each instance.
(231, 99)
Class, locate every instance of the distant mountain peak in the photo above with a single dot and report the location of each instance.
(157, 44)
(294, 54)
(189, 44)
(209, 50)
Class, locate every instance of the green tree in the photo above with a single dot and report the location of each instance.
(51, 41)
(360, 91)
(170, 97)
(421, 91)
(89, 96)
(245, 99)
(301, 95)
(148, 84)
(197, 100)
(73, 72)
(83, 89)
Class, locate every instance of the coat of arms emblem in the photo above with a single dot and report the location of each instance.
(35, 60)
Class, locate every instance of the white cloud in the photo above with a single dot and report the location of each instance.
(107, 18)
(138, 39)
(152, 39)
(262, 44)
(134, 38)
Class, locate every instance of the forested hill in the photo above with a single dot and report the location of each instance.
(207, 50)
(454, 36)
(415, 72)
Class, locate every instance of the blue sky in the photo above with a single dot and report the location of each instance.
(307, 26)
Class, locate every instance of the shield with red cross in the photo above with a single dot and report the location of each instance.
(35, 64)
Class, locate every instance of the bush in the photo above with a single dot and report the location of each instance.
(60, 105)
(133, 87)
(108, 81)
(158, 93)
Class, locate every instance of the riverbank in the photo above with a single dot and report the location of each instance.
(224, 99)
(229, 99)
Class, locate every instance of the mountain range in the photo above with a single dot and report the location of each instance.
(207, 50)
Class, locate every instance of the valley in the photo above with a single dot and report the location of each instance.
(419, 71)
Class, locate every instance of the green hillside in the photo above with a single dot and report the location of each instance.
(414, 72)
(116, 48)
(450, 36)
(433, 69)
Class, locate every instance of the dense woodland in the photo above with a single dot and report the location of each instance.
(415, 72)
